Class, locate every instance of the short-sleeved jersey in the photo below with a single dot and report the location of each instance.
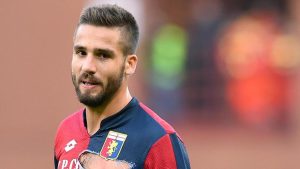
(135, 137)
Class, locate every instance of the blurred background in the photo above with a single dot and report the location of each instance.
(224, 73)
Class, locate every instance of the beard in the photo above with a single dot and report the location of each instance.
(104, 96)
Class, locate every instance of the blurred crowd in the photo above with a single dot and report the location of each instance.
(221, 61)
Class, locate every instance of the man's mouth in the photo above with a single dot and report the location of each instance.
(89, 83)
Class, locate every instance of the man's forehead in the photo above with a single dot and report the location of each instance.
(101, 35)
(102, 32)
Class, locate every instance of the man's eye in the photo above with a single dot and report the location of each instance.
(80, 53)
(102, 55)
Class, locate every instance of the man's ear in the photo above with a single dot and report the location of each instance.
(130, 64)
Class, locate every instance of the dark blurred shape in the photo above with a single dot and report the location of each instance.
(240, 6)
(204, 93)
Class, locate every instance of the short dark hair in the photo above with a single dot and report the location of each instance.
(113, 16)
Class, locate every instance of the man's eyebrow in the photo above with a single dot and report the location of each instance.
(105, 51)
(78, 47)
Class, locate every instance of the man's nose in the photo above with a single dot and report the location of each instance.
(89, 64)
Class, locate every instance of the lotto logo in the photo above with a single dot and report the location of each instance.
(70, 145)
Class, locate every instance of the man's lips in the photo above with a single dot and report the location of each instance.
(89, 83)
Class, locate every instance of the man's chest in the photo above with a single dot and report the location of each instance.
(104, 148)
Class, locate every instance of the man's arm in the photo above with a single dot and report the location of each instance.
(168, 152)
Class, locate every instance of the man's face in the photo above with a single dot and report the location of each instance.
(97, 64)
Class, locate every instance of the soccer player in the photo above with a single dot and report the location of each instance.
(114, 129)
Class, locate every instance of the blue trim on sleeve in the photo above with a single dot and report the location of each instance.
(181, 156)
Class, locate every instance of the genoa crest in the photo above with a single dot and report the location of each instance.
(112, 145)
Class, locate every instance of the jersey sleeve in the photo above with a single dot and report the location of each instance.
(168, 152)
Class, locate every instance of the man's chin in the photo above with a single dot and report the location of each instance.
(91, 103)
(91, 100)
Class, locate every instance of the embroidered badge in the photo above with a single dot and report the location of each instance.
(113, 145)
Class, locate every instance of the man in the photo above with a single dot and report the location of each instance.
(114, 130)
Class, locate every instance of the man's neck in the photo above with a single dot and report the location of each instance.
(94, 116)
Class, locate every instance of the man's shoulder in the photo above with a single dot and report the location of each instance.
(72, 120)
(156, 120)
(147, 126)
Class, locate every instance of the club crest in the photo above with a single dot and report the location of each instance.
(113, 145)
